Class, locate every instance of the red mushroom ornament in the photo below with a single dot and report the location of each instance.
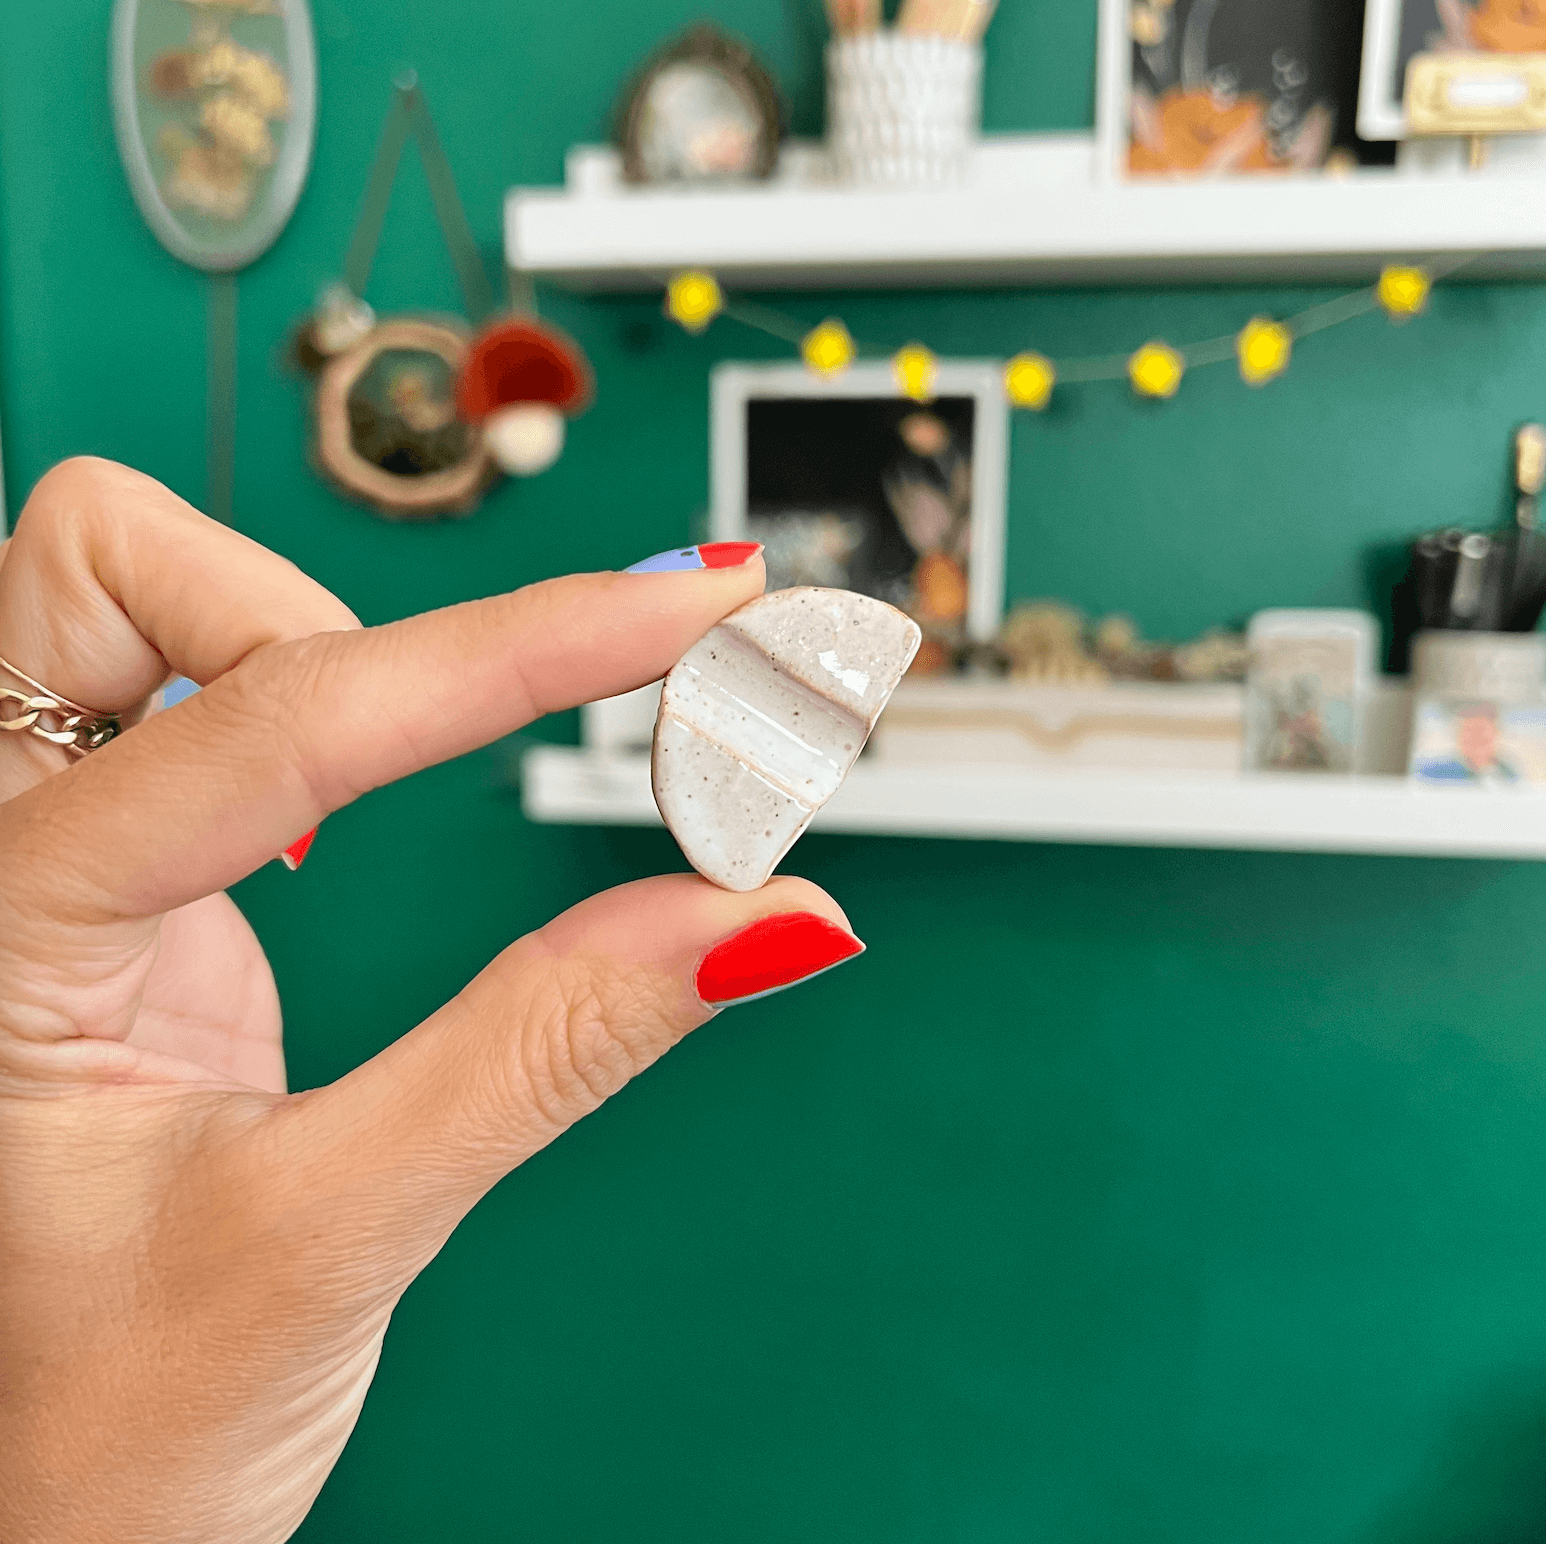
(520, 381)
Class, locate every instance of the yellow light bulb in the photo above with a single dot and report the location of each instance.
(693, 298)
(916, 370)
(1404, 291)
(1156, 370)
(1029, 379)
(827, 348)
(1264, 348)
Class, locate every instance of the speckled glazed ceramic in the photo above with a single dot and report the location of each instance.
(762, 718)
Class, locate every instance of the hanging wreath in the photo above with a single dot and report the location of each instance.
(418, 415)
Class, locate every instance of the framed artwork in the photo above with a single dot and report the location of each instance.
(1478, 743)
(215, 110)
(1307, 689)
(1212, 88)
(852, 485)
(701, 110)
(1397, 31)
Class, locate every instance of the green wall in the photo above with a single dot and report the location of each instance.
(1116, 1195)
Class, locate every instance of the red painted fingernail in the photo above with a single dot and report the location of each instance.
(686, 560)
(771, 954)
(295, 854)
(728, 554)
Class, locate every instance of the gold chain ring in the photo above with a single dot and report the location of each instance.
(50, 717)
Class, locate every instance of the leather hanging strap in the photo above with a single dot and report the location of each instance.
(407, 115)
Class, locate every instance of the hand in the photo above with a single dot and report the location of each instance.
(197, 1267)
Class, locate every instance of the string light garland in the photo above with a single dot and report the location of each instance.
(1156, 370)
(827, 348)
(694, 299)
(1262, 349)
(1404, 291)
(916, 370)
(1029, 379)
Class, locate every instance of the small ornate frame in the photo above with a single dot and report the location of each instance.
(704, 45)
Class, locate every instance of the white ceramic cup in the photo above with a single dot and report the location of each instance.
(902, 109)
(1495, 667)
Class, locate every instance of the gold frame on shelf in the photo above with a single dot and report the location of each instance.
(1438, 87)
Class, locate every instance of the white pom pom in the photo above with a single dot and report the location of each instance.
(341, 320)
(526, 437)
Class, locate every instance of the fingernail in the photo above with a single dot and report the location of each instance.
(178, 689)
(714, 554)
(771, 954)
(295, 854)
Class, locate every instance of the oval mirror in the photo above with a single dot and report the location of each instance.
(215, 105)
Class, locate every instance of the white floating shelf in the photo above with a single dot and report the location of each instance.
(1272, 812)
(1033, 212)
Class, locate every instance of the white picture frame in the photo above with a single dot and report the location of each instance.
(1113, 80)
(735, 385)
(1381, 114)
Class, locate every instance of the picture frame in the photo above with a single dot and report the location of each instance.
(1478, 743)
(1398, 31)
(836, 514)
(215, 116)
(1307, 690)
(370, 431)
(701, 110)
(1211, 88)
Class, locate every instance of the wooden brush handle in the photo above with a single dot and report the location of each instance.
(979, 14)
(961, 21)
(919, 18)
(849, 18)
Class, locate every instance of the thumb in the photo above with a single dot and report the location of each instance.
(407, 1143)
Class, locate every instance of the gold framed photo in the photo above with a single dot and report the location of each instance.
(702, 110)
(1435, 67)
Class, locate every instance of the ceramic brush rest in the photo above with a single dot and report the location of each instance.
(762, 718)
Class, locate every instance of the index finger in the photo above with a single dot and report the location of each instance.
(197, 797)
(111, 578)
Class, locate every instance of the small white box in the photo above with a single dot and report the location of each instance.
(619, 726)
(1308, 689)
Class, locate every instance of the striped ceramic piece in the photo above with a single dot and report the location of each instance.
(762, 718)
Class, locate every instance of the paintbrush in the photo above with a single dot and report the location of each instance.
(971, 20)
(849, 18)
(958, 21)
(1527, 571)
(918, 18)
(1429, 594)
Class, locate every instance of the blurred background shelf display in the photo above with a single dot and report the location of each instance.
(1033, 211)
(1135, 1184)
(1280, 812)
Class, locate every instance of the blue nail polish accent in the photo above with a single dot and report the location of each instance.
(679, 560)
(177, 689)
